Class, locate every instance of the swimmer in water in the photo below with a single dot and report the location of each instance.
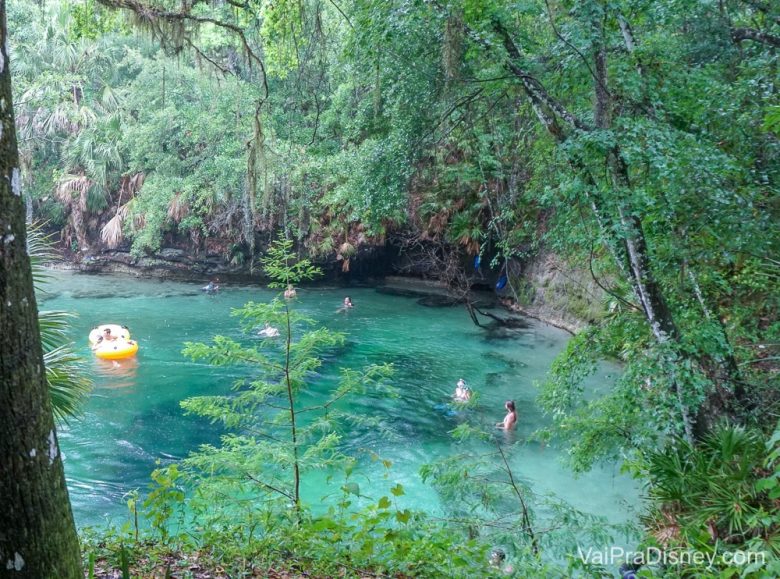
(290, 292)
(462, 392)
(348, 302)
(498, 561)
(269, 331)
(511, 416)
(107, 336)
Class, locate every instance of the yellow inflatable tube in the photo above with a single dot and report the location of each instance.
(118, 349)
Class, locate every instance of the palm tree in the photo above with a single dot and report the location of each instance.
(69, 114)
(714, 493)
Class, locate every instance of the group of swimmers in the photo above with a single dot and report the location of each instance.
(289, 293)
(463, 394)
(269, 331)
(462, 391)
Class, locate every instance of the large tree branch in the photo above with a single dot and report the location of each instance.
(533, 87)
(630, 248)
(741, 34)
(546, 109)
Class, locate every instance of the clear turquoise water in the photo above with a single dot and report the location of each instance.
(133, 420)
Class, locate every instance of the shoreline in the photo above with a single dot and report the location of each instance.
(399, 284)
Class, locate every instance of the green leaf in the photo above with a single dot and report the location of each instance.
(397, 490)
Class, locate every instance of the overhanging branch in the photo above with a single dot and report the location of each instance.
(741, 34)
(152, 15)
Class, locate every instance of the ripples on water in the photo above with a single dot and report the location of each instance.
(133, 418)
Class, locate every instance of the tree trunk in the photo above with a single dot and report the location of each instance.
(646, 288)
(37, 534)
(629, 247)
(254, 151)
(726, 376)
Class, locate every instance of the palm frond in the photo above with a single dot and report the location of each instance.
(111, 233)
(108, 99)
(70, 184)
(178, 208)
(135, 183)
(68, 385)
(53, 326)
(40, 253)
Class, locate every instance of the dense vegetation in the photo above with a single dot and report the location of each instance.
(635, 140)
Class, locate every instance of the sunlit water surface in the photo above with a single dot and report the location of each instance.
(133, 420)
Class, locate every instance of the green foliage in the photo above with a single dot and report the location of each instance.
(379, 538)
(124, 562)
(164, 501)
(90, 20)
(484, 497)
(65, 376)
(719, 497)
(283, 267)
(272, 439)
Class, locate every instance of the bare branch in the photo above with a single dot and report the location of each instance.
(269, 487)
(526, 518)
(337, 7)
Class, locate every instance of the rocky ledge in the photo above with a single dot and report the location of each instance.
(168, 263)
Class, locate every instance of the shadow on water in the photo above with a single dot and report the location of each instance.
(87, 295)
(495, 332)
(438, 302)
(509, 363)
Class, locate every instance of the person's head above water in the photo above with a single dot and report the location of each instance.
(347, 301)
(107, 331)
(497, 556)
(461, 382)
(510, 405)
